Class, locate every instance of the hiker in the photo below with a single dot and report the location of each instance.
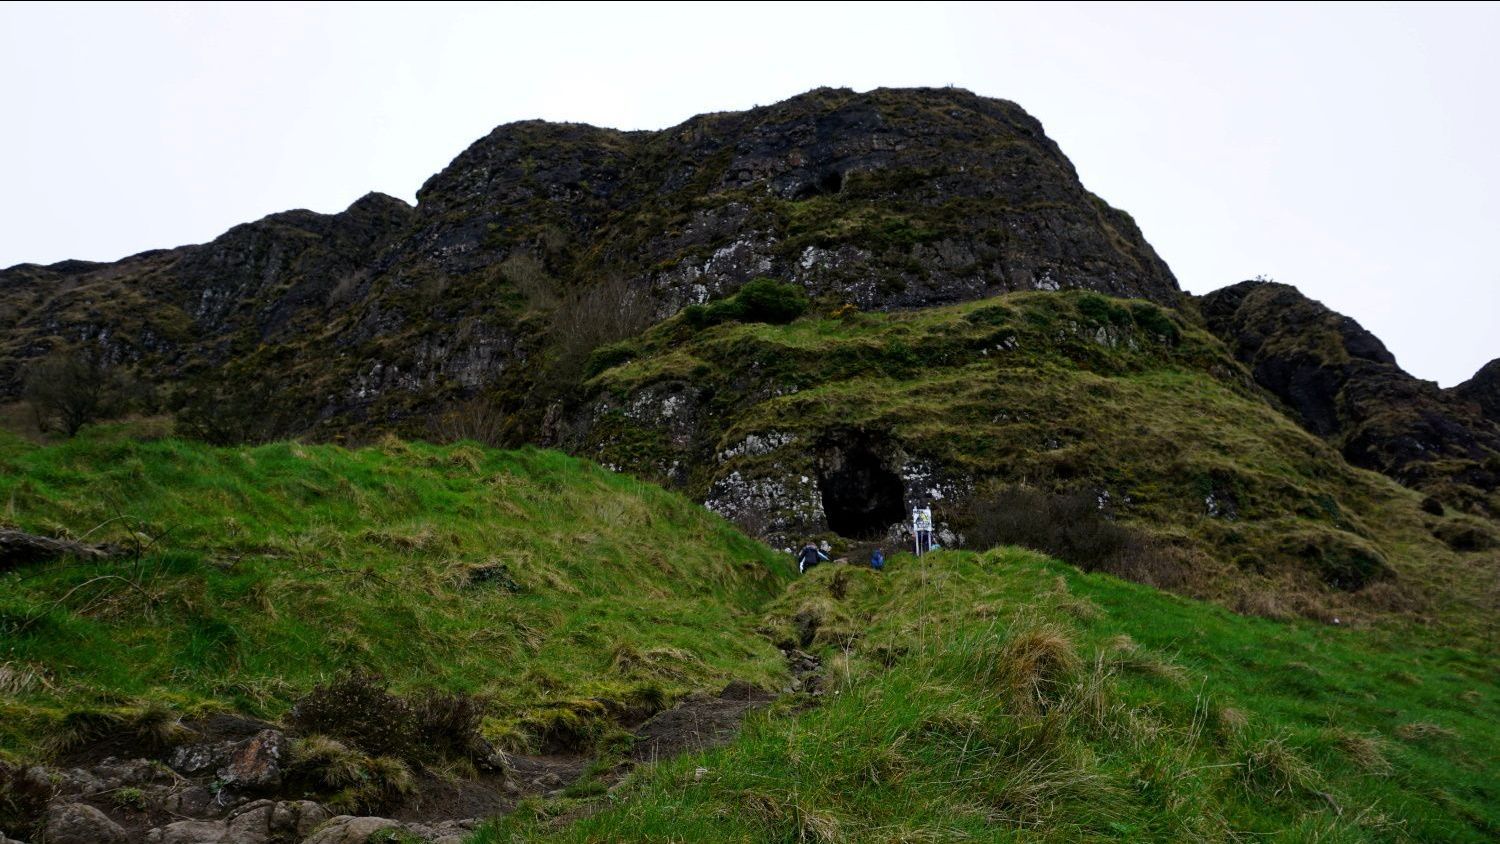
(809, 556)
(877, 559)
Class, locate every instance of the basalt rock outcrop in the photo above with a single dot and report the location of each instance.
(375, 317)
(1342, 384)
(1483, 390)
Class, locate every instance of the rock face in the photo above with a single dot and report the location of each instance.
(1341, 383)
(1483, 390)
(371, 318)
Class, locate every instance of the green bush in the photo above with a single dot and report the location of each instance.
(1155, 320)
(1101, 310)
(759, 300)
(772, 301)
(609, 357)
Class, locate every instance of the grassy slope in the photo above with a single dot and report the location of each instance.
(1062, 390)
(1179, 721)
(279, 565)
(286, 562)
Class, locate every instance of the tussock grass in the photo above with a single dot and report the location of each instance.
(1158, 719)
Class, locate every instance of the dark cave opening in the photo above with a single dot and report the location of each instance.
(861, 497)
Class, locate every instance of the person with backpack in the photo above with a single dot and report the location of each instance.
(877, 559)
(808, 557)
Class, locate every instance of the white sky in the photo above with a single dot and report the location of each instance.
(1350, 150)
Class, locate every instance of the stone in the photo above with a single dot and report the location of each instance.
(346, 829)
(274, 822)
(255, 764)
(194, 802)
(80, 823)
(189, 832)
(197, 759)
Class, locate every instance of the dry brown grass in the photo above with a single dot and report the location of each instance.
(1364, 750)
(1424, 731)
(1033, 665)
(1272, 767)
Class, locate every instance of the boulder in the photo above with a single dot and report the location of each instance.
(189, 832)
(80, 823)
(274, 822)
(195, 759)
(255, 764)
(260, 822)
(346, 829)
(195, 802)
(115, 773)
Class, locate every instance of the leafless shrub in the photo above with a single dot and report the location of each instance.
(70, 389)
(476, 419)
(527, 275)
(593, 315)
(236, 414)
(1071, 526)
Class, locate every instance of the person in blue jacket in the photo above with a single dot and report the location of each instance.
(877, 559)
(809, 556)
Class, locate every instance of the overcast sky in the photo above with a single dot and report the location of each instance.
(1349, 150)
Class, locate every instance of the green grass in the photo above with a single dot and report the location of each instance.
(997, 696)
(263, 571)
(1007, 697)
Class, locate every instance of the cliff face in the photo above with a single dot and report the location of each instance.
(1483, 390)
(1341, 383)
(376, 316)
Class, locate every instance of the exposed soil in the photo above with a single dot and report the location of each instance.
(699, 722)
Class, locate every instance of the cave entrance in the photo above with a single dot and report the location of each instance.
(861, 497)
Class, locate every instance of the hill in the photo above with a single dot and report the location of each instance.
(551, 588)
(1342, 384)
(542, 240)
(1004, 697)
(960, 696)
(836, 424)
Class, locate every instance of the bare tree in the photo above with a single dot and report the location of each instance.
(69, 389)
(527, 275)
(594, 315)
(474, 419)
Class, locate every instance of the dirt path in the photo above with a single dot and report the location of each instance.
(698, 722)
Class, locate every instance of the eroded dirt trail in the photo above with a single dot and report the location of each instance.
(182, 797)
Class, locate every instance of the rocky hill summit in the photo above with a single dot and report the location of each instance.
(1342, 384)
(516, 303)
(382, 313)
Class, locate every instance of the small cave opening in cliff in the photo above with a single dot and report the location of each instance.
(827, 183)
(861, 497)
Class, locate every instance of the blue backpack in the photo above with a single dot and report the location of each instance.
(877, 560)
